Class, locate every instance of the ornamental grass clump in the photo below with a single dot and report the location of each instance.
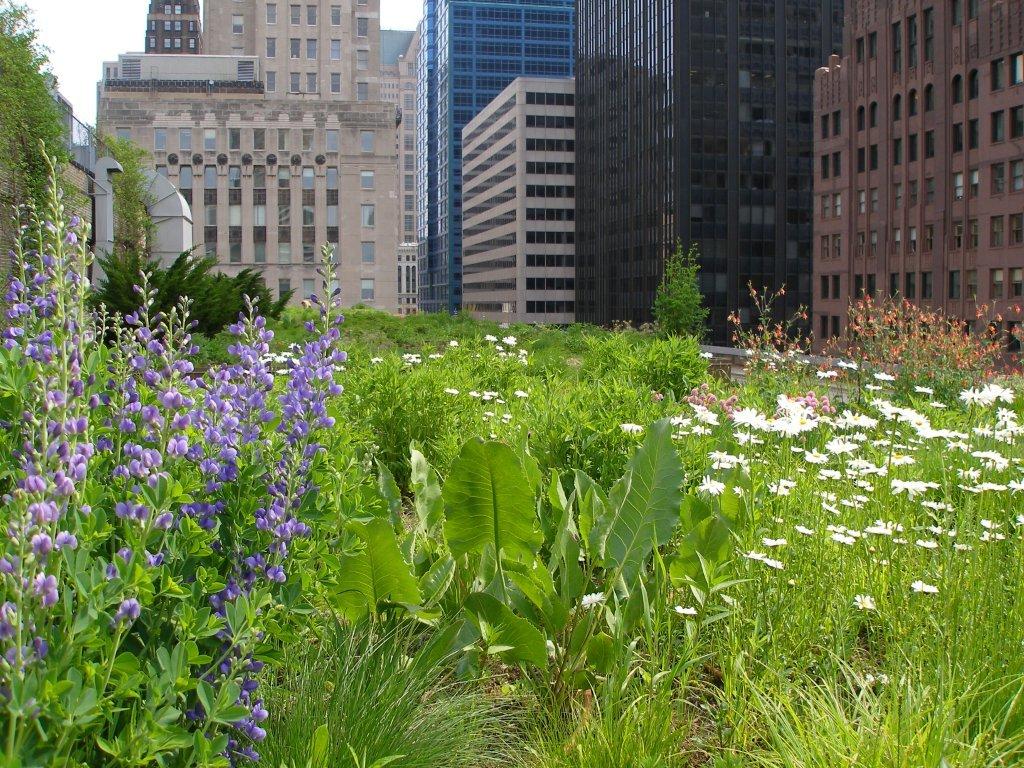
(150, 516)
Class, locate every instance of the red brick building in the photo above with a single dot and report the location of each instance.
(919, 160)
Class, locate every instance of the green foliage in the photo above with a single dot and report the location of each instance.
(32, 125)
(679, 307)
(362, 695)
(377, 573)
(133, 226)
(216, 299)
(490, 504)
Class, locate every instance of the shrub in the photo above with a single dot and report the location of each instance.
(679, 307)
(215, 299)
(924, 346)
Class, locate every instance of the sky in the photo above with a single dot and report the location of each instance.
(80, 37)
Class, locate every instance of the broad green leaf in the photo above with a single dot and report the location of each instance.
(510, 636)
(710, 540)
(592, 503)
(489, 500)
(435, 582)
(427, 489)
(320, 747)
(389, 491)
(643, 506)
(377, 574)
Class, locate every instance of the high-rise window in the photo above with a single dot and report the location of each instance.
(369, 252)
(160, 139)
(366, 180)
(335, 15)
(296, 14)
(295, 47)
(311, 49)
(237, 25)
(210, 139)
(271, 47)
(234, 138)
(368, 215)
(311, 15)
(333, 141)
(271, 13)
(335, 82)
(366, 289)
(335, 50)
(362, 26)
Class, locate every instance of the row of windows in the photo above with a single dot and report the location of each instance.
(550, 260)
(313, 84)
(964, 184)
(256, 139)
(551, 214)
(176, 9)
(367, 212)
(550, 190)
(550, 307)
(551, 169)
(551, 99)
(295, 51)
(1003, 230)
(550, 284)
(296, 15)
(367, 288)
(176, 26)
(550, 121)
(550, 145)
(172, 43)
(186, 177)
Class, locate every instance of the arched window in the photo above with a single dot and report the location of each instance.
(958, 89)
(912, 103)
(873, 114)
(973, 86)
(897, 107)
(860, 118)
(929, 98)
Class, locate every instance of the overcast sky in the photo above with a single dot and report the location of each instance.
(82, 35)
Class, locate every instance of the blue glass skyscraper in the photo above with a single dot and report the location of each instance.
(470, 50)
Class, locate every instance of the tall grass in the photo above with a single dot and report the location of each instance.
(384, 699)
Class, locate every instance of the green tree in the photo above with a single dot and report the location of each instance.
(32, 125)
(679, 307)
(133, 226)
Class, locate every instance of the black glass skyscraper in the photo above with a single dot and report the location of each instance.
(695, 125)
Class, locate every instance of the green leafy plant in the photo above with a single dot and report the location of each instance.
(32, 127)
(679, 306)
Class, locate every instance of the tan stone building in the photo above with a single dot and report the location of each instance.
(273, 172)
(518, 227)
(310, 51)
(399, 50)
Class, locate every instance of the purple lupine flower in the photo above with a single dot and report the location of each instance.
(45, 587)
(128, 611)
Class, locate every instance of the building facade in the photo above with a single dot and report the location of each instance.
(174, 27)
(518, 175)
(272, 174)
(309, 52)
(920, 176)
(399, 51)
(470, 50)
(407, 289)
(695, 126)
